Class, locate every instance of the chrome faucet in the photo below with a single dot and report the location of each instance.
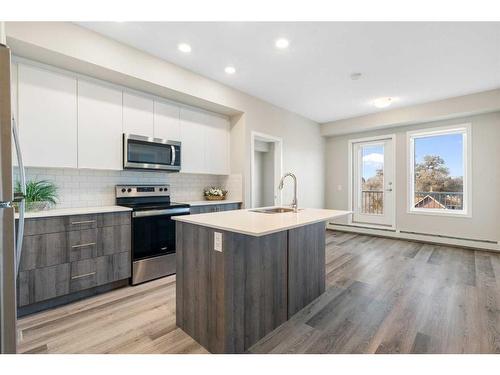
(280, 187)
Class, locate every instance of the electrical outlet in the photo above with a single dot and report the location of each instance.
(218, 241)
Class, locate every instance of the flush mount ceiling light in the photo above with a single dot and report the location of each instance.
(384, 102)
(356, 76)
(282, 43)
(230, 69)
(184, 47)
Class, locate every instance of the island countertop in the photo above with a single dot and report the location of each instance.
(258, 223)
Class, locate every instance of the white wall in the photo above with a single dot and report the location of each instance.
(485, 153)
(72, 47)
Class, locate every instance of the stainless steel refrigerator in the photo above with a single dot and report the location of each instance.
(10, 245)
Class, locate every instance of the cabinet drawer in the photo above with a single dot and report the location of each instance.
(229, 207)
(114, 218)
(42, 284)
(59, 224)
(83, 275)
(113, 268)
(203, 209)
(44, 250)
(115, 239)
(82, 244)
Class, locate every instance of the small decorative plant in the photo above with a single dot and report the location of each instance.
(39, 194)
(215, 193)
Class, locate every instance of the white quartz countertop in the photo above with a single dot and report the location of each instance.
(260, 224)
(74, 211)
(207, 203)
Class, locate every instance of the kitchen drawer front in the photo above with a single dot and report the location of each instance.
(44, 250)
(42, 284)
(214, 208)
(82, 244)
(113, 268)
(59, 224)
(114, 218)
(203, 209)
(229, 206)
(83, 275)
(114, 239)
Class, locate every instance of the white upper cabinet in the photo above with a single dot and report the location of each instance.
(166, 121)
(47, 117)
(138, 115)
(193, 140)
(217, 145)
(205, 142)
(99, 126)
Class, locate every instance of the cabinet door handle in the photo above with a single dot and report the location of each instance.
(82, 222)
(84, 275)
(83, 245)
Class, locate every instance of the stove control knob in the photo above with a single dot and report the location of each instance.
(129, 190)
(165, 188)
(161, 189)
(124, 190)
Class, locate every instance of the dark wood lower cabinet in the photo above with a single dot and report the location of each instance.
(214, 207)
(91, 251)
(229, 300)
(43, 283)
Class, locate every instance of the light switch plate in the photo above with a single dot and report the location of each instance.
(218, 241)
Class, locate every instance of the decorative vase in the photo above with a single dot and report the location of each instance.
(37, 206)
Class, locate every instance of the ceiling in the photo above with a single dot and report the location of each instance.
(415, 62)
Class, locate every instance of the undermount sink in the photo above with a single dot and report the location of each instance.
(274, 210)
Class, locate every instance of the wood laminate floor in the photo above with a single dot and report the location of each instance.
(383, 296)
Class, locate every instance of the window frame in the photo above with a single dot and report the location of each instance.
(465, 130)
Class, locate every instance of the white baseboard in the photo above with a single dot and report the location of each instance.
(430, 238)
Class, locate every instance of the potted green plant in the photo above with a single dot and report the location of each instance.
(40, 195)
(215, 193)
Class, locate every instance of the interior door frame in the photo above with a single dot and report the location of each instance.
(278, 164)
(350, 150)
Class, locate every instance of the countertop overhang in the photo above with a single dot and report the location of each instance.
(260, 224)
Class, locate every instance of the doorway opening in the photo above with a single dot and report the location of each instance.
(266, 170)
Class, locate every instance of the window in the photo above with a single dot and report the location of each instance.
(438, 172)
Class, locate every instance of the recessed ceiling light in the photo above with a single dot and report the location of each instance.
(282, 43)
(384, 102)
(184, 47)
(230, 69)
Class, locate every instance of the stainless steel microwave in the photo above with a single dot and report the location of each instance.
(141, 152)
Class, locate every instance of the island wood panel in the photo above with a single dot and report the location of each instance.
(228, 300)
(255, 286)
(306, 265)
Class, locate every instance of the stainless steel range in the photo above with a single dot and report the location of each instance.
(153, 230)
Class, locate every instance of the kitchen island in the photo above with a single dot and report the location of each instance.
(240, 274)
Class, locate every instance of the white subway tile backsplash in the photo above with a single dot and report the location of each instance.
(87, 187)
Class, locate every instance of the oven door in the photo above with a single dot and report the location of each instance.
(154, 232)
(151, 153)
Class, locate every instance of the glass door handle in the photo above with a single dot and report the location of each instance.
(388, 189)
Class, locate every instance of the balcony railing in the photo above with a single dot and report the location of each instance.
(372, 201)
(450, 200)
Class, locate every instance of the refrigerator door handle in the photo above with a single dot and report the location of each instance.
(19, 197)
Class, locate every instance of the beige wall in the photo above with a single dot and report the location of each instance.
(74, 48)
(484, 223)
